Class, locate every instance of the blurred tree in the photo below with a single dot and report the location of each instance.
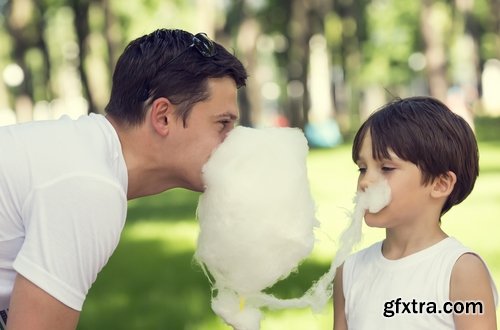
(41, 44)
(378, 48)
(240, 25)
(433, 24)
(298, 20)
(466, 69)
(20, 27)
(25, 24)
(81, 11)
(495, 12)
(486, 23)
(111, 33)
(353, 35)
(114, 38)
(299, 31)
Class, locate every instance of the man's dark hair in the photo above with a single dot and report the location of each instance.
(143, 73)
(424, 131)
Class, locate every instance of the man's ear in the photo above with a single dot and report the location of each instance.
(161, 114)
(443, 185)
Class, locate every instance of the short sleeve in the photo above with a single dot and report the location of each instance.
(72, 227)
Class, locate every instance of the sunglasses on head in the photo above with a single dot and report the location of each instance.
(202, 44)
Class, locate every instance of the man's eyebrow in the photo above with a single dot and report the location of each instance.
(227, 115)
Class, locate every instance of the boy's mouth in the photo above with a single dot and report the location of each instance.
(376, 197)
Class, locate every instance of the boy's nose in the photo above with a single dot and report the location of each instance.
(366, 180)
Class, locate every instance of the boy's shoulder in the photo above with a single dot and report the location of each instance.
(449, 249)
(364, 256)
(469, 274)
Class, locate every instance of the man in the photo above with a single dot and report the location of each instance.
(64, 184)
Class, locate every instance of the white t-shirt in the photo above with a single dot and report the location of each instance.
(63, 204)
(408, 293)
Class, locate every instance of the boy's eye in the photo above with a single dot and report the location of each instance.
(362, 170)
(387, 169)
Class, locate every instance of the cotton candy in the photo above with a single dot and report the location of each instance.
(372, 199)
(257, 220)
(256, 215)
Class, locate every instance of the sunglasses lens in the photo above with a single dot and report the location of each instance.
(204, 45)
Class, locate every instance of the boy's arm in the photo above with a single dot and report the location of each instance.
(339, 320)
(470, 282)
(32, 308)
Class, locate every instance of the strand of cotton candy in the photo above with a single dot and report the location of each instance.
(256, 217)
(228, 305)
(373, 199)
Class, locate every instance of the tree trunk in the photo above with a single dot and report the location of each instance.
(352, 15)
(299, 32)
(81, 10)
(495, 10)
(112, 34)
(42, 45)
(238, 22)
(17, 22)
(464, 96)
(435, 54)
(247, 45)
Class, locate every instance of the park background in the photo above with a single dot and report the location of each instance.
(319, 65)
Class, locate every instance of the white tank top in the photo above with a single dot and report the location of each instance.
(408, 293)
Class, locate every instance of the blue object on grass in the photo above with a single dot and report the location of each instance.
(325, 134)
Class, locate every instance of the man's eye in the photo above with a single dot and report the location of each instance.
(226, 124)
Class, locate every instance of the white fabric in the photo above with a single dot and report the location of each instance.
(62, 204)
(370, 280)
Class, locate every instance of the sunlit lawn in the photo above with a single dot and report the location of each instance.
(152, 282)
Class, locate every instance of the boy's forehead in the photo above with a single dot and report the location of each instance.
(371, 148)
(369, 155)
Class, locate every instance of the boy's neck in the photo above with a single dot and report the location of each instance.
(402, 242)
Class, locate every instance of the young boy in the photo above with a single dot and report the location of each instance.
(418, 277)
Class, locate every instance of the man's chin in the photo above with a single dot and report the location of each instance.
(197, 188)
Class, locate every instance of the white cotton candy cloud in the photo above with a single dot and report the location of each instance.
(374, 198)
(257, 220)
(256, 216)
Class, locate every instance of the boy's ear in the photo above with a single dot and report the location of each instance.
(161, 114)
(443, 185)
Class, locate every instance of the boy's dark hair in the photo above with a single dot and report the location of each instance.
(143, 73)
(424, 131)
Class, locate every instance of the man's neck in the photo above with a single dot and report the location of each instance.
(147, 175)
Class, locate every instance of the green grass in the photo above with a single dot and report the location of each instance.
(151, 282)
(487, 128)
